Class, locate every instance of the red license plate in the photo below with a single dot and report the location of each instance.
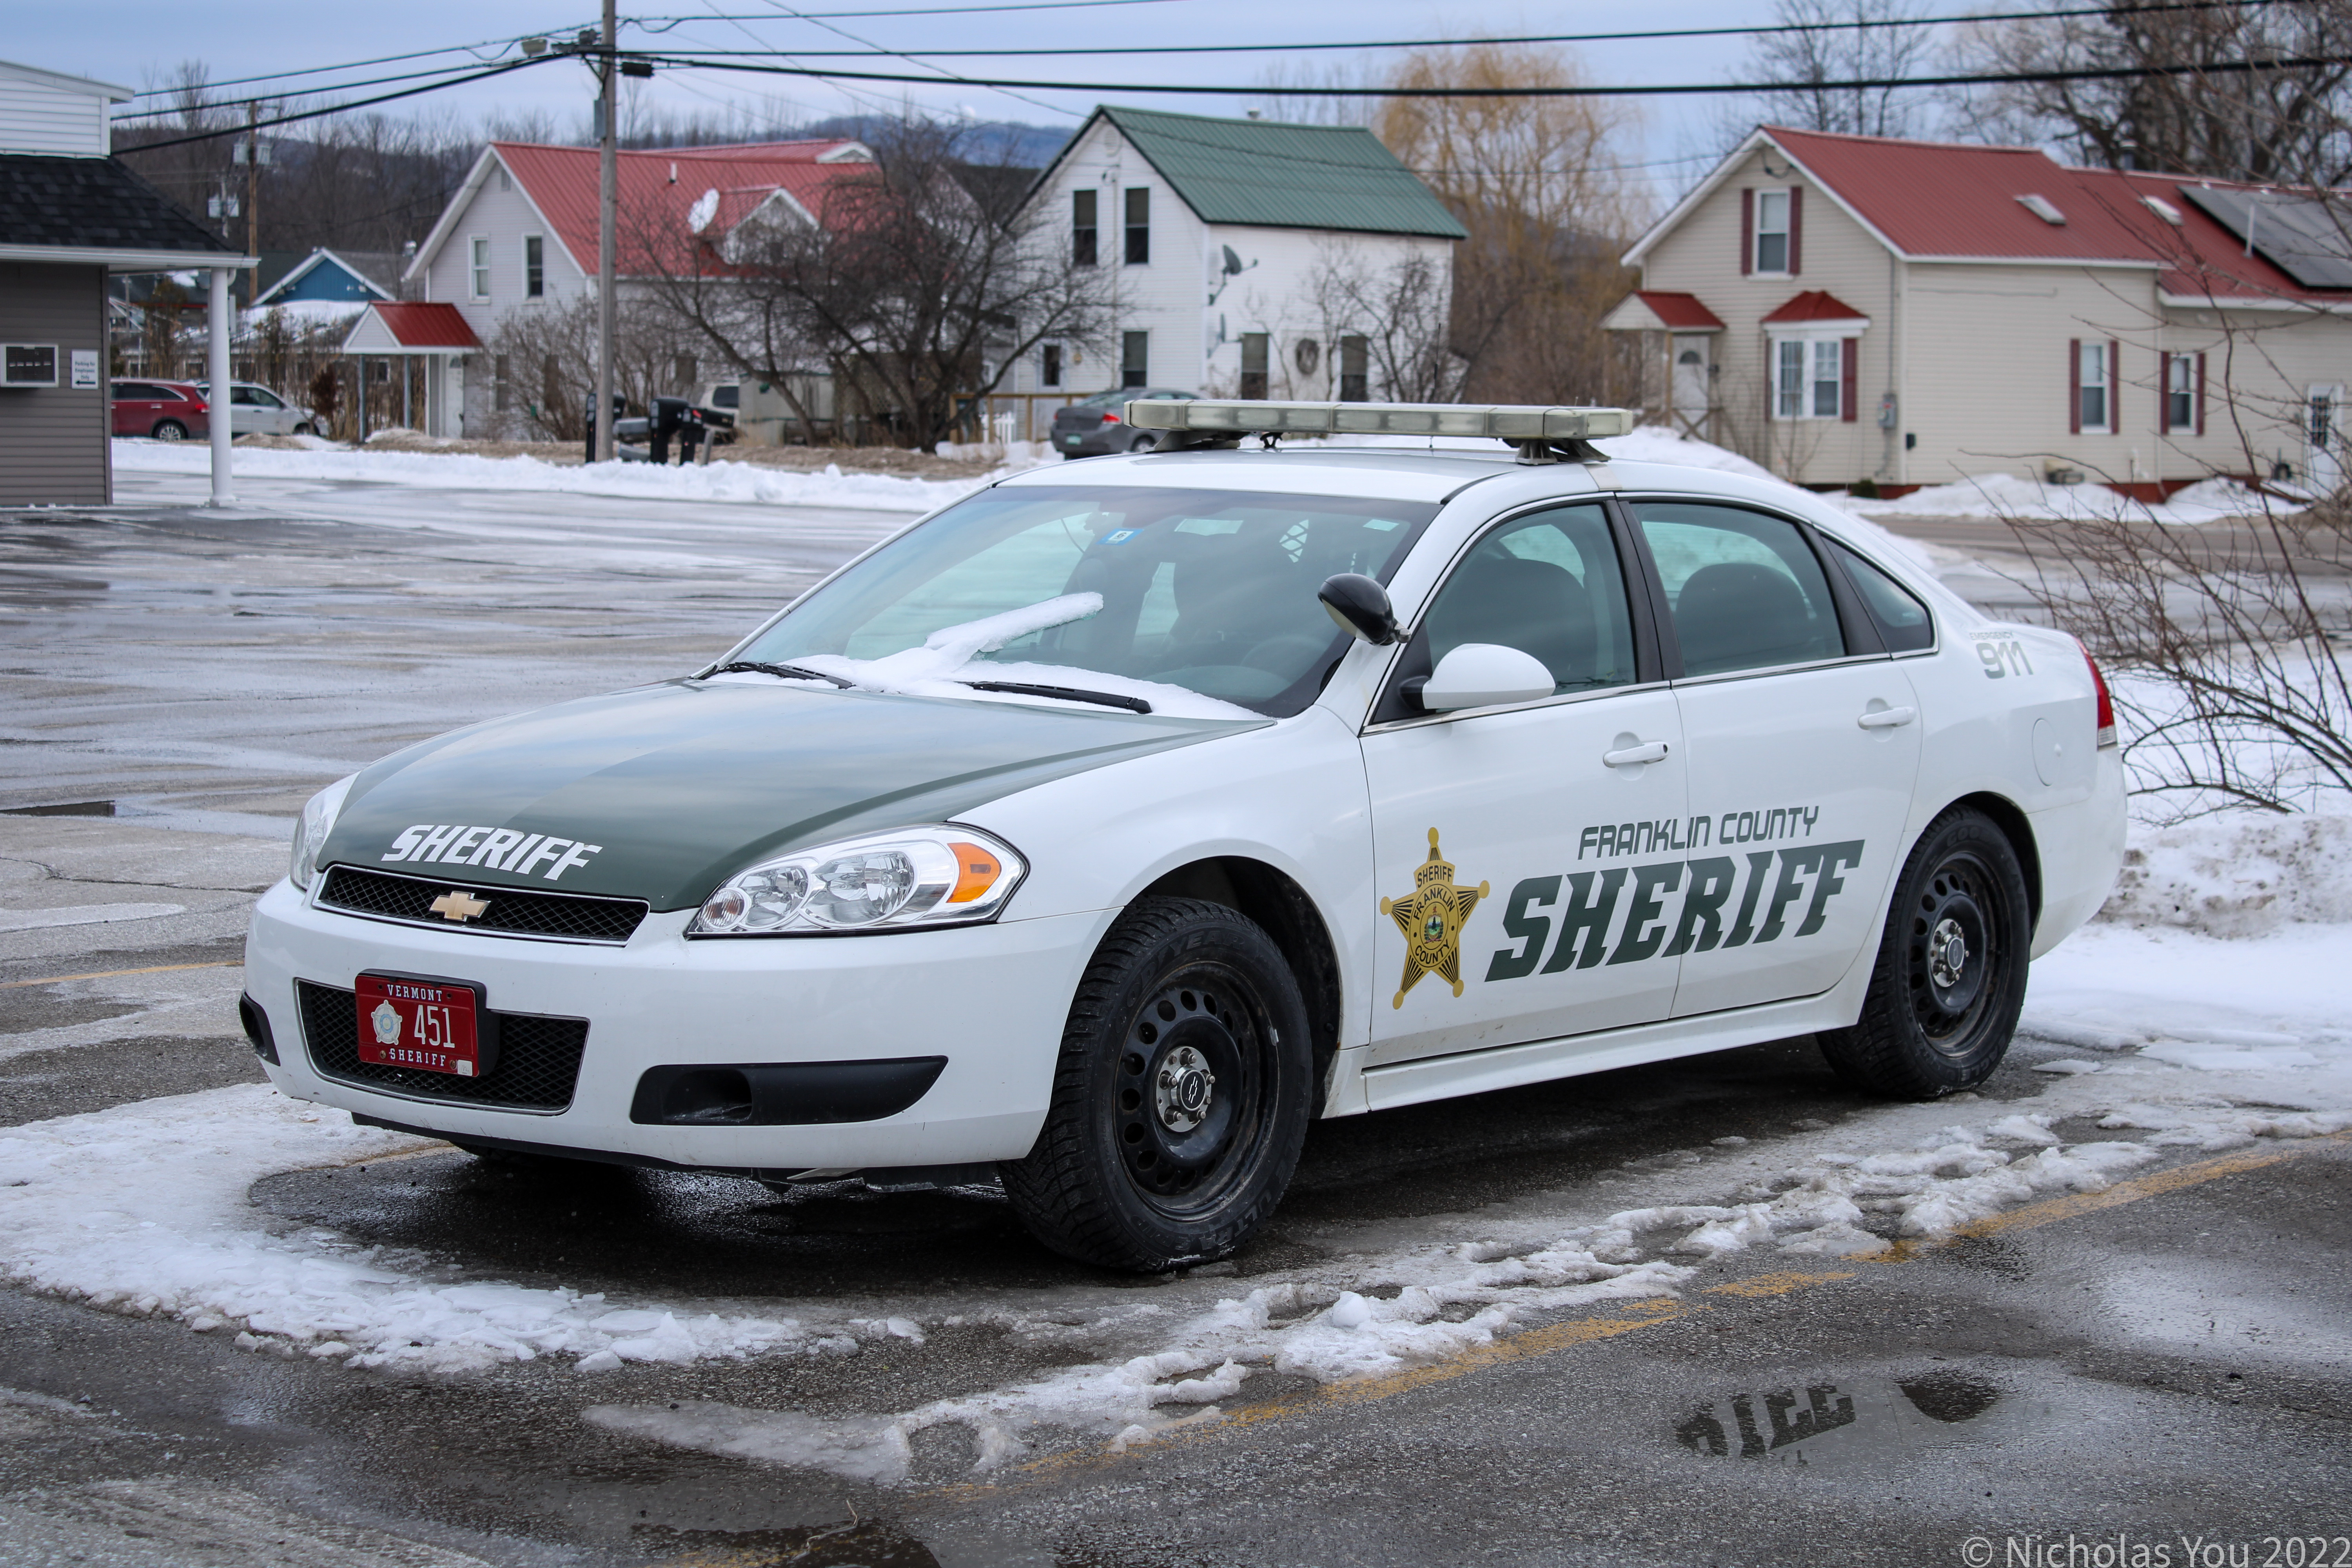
(430, 1025)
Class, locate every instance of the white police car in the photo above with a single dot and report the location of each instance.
(1064, 837)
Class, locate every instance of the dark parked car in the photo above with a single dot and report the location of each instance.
(1093, 428)
(167, 410)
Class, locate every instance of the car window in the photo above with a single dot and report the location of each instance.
(726, 398)
(1744, 589)
(1903, 621)
(1548, 584)
(246, 395)
(1212, 591)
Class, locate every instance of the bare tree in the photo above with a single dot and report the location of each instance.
(2197, 110)
(1400, 311)
(549, 355)
(914, 282)
(1837, 40)
(1536, 183)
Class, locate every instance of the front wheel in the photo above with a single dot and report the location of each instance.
(305, 428)
(1180, 1098)
(1950, 978)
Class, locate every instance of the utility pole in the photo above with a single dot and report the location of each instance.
(608, 189)
(252, 181)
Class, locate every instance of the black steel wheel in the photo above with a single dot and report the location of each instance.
(1181, 1096)
(1950, 978)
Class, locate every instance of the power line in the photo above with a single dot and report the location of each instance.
(508, 67)
(462, 72)
(2120, 73)
(348, 65)
(875, 51)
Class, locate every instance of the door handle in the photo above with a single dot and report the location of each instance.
(1887, 718)
(1647, 751)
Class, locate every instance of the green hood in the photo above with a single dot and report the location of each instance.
(683, 784)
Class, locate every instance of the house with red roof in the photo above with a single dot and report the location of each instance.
(1858, 308)
(520, 235)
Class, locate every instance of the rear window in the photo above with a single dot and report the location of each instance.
(1903, 621)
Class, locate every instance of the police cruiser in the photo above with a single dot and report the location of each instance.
(1064, 839)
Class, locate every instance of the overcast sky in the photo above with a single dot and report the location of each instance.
(141, 43)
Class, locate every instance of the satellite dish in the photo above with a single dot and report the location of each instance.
(1233, 263)
(704, 208)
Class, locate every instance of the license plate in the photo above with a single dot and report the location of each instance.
(432, 1025)
(1073, 440)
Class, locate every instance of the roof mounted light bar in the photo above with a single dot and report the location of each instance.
(1542, 435)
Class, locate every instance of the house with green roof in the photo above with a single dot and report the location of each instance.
(1223, 240)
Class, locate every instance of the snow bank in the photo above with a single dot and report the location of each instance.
(142, 1209)
(742, 482)
(2003, 495)
(2237, 874)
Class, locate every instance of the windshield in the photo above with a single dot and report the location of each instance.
(1201, 602)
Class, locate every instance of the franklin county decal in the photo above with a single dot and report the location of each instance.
(1432, 919)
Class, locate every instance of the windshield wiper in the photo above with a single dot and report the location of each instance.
(1066, 693)
(781, 671)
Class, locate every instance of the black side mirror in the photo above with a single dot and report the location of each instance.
(1360, 605)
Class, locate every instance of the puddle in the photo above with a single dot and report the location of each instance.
(1813, 1426)
(69, 808)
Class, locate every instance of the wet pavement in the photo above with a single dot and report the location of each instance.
(2166, 1368)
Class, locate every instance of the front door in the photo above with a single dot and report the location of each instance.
(1522, 851)
(1691, 391)
(1802, 759)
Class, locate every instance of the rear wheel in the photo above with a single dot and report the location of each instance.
(169, 430)
(1950, 978)
(1181, 1096)
(1143, 444)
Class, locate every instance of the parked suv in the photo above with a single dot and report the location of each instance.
(167, 410)
(254, 410)
(1096, 426)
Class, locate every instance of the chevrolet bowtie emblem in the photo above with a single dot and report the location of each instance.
(458, 905)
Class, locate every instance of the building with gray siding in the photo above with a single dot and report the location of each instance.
(70, 213)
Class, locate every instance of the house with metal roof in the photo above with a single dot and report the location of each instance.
(1221, 239)
(71, 215)
(1859, 308)
(520, 235)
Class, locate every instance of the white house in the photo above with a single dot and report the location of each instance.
(1217, 234)
(1852, 308)
(520, 234)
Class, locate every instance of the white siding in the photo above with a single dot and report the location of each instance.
(1196, 314)
(43, 114)
(503, 216)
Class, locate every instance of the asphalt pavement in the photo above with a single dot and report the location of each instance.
(180, 680)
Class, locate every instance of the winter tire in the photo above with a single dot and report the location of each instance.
(1950, 973)
(1180, 1098)
(169, 430)
(1143, 444)
(304, 428)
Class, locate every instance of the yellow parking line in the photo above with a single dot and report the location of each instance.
(1652, 1312)
(111, 974)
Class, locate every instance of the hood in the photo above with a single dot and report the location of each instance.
(662, 792)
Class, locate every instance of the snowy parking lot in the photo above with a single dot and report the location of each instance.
(2104, 1296)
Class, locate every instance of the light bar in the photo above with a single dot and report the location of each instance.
(1503, 422)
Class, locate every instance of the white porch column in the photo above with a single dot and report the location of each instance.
(220, 322)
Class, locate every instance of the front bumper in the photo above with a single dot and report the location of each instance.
(992, 999)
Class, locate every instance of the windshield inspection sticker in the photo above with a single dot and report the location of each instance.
(499, 848)
(1431, 918)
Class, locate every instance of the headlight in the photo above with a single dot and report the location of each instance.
(882, 881)
(311, 827)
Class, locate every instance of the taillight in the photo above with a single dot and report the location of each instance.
(1110, 418)
(2107, 703)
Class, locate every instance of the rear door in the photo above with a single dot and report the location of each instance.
(1525, 876)
(1802, 737)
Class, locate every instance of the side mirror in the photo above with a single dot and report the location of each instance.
(1482, 674)
(1360, 605)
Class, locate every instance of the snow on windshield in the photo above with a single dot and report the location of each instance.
(1201, 603)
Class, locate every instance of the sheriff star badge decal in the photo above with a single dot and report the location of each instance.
(1432, 919)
